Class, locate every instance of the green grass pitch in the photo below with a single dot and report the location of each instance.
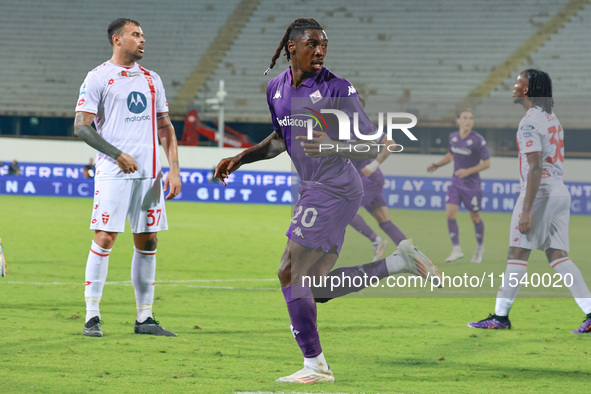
(217, 288)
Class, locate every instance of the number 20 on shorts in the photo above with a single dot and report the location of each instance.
(308, 217)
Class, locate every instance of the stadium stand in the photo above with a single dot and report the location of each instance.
(47, 47)
(395, 50)
(422, 54)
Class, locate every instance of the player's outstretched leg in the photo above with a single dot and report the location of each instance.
(345, 280)
(492, 322)
(416, 261)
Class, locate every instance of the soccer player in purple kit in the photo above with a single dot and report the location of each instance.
(470, 154)
(330, 190)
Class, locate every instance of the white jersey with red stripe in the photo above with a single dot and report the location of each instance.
(541, 132)
(125, 102)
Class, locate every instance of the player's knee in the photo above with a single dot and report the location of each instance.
(515, 253)
(553, 254)
(146, 241)
(105, 239)
(284, 275)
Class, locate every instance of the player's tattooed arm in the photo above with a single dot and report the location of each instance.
(170, 145)
(270, 147)
(84, 131)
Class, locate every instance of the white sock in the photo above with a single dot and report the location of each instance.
(569, 270)
(377, 241)
(515, 271)
(457, 248)
(143, 276)
(97, 266)
(395, 264)
(144, 311)
(317, 363)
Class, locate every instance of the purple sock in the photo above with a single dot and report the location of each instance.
(479, 231)
(302, 313)
(393, 232)
(345, 280)
(454, 232)
(359, 224)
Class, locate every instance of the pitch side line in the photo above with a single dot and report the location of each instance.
(128, 282)
(179, 283)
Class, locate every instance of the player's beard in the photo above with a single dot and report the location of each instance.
(518, 100)
(137, 56)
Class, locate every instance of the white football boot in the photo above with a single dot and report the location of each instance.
(416, 261)
(307, 375)
(477, 257)
(379, 247)
(456, 254)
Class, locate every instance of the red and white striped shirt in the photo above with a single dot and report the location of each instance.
(125, 102)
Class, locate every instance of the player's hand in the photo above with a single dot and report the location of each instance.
(525, 223)
(174, 182)
(432, 168)
(225, 167)
(126, 163)
(366, 172)
(313, 148)
(462, 173)
(370, 168)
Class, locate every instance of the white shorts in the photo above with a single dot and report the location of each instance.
(550, 218)
(140, 200)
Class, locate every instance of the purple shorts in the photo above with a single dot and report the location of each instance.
(373, 191)
(320, 219)
(472, 198)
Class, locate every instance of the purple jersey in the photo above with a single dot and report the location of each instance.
(467, 152)
(290, 109)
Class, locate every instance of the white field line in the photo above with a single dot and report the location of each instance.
(418, 293)
(168, 283)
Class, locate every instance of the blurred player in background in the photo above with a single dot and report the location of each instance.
(542, 211)
(2, 261)
(330, 188)
(373, 201)
(128, 106)
(470, 154)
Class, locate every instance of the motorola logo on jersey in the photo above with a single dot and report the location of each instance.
(136, 102)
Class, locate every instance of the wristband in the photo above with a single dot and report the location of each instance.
(373, 166)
